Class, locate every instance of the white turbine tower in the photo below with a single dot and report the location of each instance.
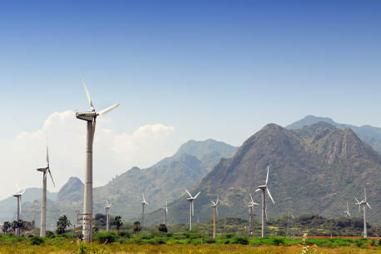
(44, 171)
(18, 197)
(251, 206)
(347, 213)
(264, 189)
(191, 200)
(90, 118)
(165, 210)
(364, 205)
(107, 210)
(214, 216)
(144, 203)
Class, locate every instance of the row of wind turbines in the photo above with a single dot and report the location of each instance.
(90, 118)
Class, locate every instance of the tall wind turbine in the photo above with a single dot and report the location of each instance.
(191, 200)
(165, 209)
(44, 171)
(264, 189)
(347, 213)
(90, 118)
(251, 206)
(18, 196)
(364, 205)
(144, 203)
(214, 216)
(107, 209)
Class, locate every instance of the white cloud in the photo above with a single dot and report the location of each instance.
(114, 152)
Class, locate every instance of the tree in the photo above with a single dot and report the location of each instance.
(6, 227)
(137, 227)
(118, 222)
(62, 223)
(163, 228)
(17, 224)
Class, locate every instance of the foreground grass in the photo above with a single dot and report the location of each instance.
(146, 243)
(68, 248)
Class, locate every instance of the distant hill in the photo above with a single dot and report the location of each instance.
(163, 181)
(314, 170)
(367, 133)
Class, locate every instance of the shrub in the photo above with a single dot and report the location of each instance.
(278, 241)
(35, 240)
(50, 234)
(105, 237)
(239, 240)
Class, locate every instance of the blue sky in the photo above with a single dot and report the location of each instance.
(219, 69)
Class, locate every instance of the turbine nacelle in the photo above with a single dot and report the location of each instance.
(86, 116)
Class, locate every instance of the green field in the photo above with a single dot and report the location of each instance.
(186, 243)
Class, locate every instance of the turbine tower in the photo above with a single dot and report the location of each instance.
(90, 118)
(264, 189)
(214, 216)
(165, 209)
(251, 206)
(364, 204)
(144, 203)
(107, 209)
(18, 196)
(347, 213)
(44, 171)
(191, 200)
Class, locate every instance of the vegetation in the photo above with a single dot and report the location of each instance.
(62, 223)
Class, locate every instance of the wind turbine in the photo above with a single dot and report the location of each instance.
(144, 203)
(214, 216)
(44, 171)
(347, 213)
(264, 189)
(191, 200)
(90, 118)
(251, 206)
(165, 209)
(18, 196)
(107, 209)
(364, 204)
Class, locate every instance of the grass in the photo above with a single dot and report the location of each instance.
(187, 243)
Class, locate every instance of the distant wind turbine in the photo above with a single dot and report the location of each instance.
(107, 210)
(18, 197)
(264, 189)
(214, 216)
(90, 117)
(44, 171)
(347, 213)
(364, 205)
(251, 206)
(165, 209)
(191, 200)
(144, 203)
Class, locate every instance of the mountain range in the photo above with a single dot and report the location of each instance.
(317, 165)
(314, 170)
(163, 181)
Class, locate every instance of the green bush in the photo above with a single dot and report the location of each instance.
(239, 240)
(50, 234)
(278, 241)
(105, 237)
(35, 240)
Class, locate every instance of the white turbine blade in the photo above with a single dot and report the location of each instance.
(197, 195)
(357, 201)
(187, 192)
(47, 155)
(368, 205)
(88, 95)
(106, 110)
(365, 194)
(267, 177)
(51, 177)
(251, 198)
(144, 200)
(257, 190)
(268, 192)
